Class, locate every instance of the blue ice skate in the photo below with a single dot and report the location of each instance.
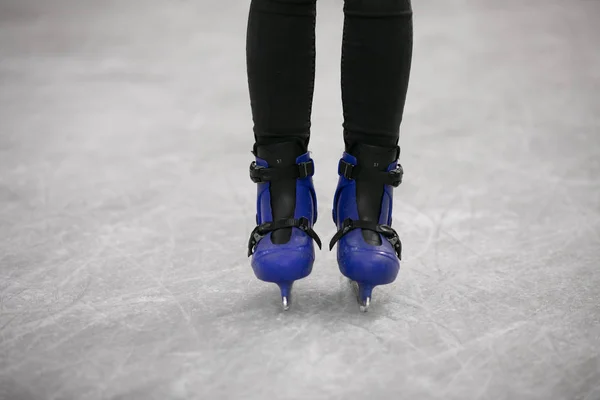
(281, 245)
(368, 250)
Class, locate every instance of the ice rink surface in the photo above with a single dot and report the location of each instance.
(125, 209)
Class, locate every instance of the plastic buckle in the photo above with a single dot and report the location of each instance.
(397, 245)
(303, 224)
(304, 170)
(397, 175)
(347, 226)
(386, 231)
(256, 172)
(257, 235)
(392, 236)
(345, 169)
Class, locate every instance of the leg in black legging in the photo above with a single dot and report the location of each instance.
(281, 72)
(281, 69)
(376, 61)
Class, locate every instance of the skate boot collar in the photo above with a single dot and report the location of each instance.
(279, 154)
(372, 163)
(374, 156)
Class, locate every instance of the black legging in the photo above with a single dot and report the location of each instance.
(376, 60)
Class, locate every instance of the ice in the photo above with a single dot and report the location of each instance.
(125, 209)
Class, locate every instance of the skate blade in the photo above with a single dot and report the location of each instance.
(286, 294)
(363, 303)
(364, 307)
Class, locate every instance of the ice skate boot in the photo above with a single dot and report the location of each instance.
(368, 250)
(281, 245)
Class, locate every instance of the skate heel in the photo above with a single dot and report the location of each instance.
(366, 271)
(284, 263)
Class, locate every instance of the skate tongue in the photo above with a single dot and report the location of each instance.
(280, 154)
(283, 192)
(369, 194)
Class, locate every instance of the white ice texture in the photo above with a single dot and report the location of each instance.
(125, 208)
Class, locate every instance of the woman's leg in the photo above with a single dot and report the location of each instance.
(376, 60)
(281, 69)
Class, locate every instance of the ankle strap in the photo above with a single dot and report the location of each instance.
(384, 230)
(357, 172)
(260, 174)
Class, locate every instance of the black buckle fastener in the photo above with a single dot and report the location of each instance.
(356, 172)
(345, 169)
(260, 174)
(256, 172)
(263, 229)
(385, 230)
(396, 175)
(306, 169)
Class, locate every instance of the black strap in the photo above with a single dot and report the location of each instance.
(262, 230)
(358, 172)
(260, 174)
(385, 230)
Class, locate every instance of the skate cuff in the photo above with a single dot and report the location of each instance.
(385, 230)
(260, 174)
(357, 172)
